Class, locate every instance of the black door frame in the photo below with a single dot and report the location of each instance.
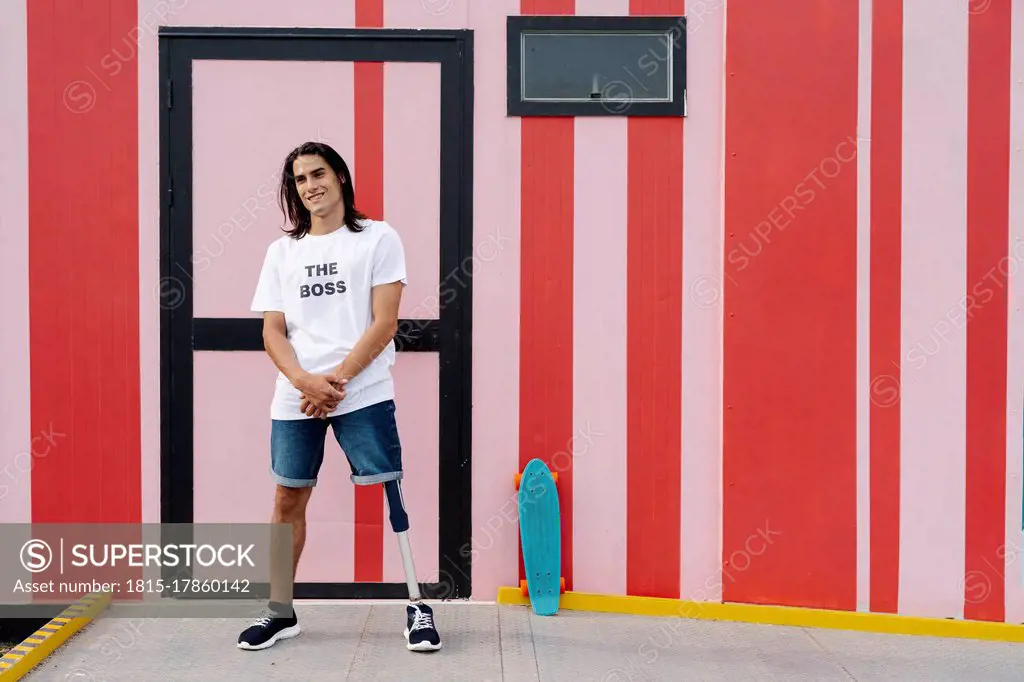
(450, 335)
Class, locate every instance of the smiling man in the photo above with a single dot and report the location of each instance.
(329, 292)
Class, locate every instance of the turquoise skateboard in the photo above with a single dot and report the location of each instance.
(541, 534)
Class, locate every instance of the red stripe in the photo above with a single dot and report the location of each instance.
(83, 261)
(988, 159)
(790, 328)
(657, 7)
(886, 225)
(370, 13)
(369, 185)
(545, 319)
(654, 359)
(547, 7)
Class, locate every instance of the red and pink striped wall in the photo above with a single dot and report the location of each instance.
(774, 348)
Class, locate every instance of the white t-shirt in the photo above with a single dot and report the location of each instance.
(322, 284)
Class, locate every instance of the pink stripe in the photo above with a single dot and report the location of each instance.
(863, 311)
(322, 13)
(431, 14)
(933, 381)
(496, 308)
(412, 182)
(1015, 346)
(592, 8)
(15, 440)
(599, 346)
(598, 446)
(703, 140)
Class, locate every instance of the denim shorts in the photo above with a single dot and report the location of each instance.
(368, 437)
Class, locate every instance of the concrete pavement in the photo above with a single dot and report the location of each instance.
(486, 642)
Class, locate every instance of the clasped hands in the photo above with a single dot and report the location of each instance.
(321, 393)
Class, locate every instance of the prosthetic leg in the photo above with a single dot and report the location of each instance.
(420, 633)
(400, 524)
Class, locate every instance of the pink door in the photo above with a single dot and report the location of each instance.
(235, 103)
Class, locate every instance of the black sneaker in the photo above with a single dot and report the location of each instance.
(267, 630)
(420, 633)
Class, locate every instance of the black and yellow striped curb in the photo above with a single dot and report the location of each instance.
(20, 660)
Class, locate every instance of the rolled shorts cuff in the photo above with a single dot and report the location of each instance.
(292, 482)
(377, 478)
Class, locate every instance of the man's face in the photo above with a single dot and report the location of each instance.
(318, 185)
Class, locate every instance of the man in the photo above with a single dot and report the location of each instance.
(329, 291)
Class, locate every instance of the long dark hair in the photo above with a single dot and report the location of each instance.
(291, 202)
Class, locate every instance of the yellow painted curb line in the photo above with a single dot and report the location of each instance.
(17, 662)
(779, 615)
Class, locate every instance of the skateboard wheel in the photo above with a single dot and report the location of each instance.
(524, 588)
(519, 478)
(562, 588)
(554, 475)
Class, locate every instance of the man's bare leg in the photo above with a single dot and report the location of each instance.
(281, 622)
(290, 508)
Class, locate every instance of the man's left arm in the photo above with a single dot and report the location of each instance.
(385, 299)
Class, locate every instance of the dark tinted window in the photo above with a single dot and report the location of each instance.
(596, 66)
(583, 66)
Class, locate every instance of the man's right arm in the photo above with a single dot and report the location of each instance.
(315, 387)
(279, 348)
